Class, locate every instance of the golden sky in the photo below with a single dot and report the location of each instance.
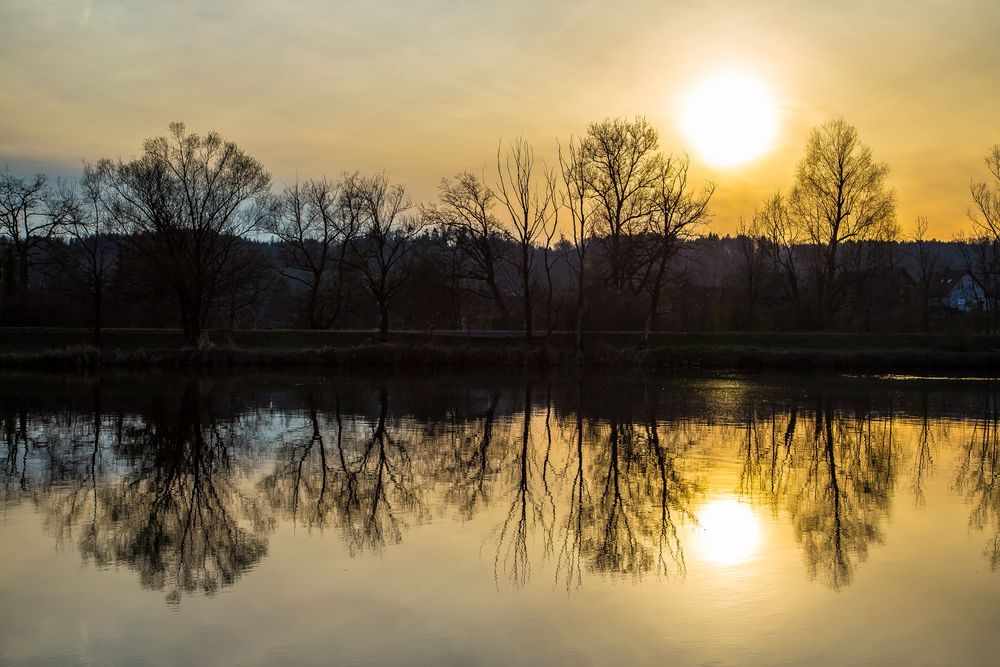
(424, 89)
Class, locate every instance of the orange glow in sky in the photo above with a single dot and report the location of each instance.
(426, 89)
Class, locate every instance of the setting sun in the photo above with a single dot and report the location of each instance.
(728, 532)
(730, 119)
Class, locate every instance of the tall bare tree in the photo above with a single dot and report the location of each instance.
(754, 256)
(622, 168)
(927, 259)
(840, 195)
(184, 204)
(92, 254)
(528, 198)
(552, 254)
(782, 242)
(678, 213)
(578, 199)
(985, 214)
(316, 227)
(982, 252)
(382, 249)
(466, 214)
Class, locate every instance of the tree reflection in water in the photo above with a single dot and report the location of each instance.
(526, 510)
(640, 493)
(832, 470)
(186, 487)
(170, 507)
(364, 483)
(979, 477)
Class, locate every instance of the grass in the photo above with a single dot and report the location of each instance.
(70, 348)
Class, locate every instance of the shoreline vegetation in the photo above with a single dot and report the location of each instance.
(68, 349)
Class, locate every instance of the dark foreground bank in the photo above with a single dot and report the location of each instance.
(138, 348)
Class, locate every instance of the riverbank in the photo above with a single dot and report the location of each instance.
(160, 348)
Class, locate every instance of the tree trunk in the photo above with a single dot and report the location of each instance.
(338, 303)
(185, 319)
(549, 328)
(581, 306)
(499, 302)
(313, 304)
(827, 287)
(98, 306)
(383, 322)
(528, 326)
(22, 268)
(195, 333)
(654, 302)
(9, 282)
(191, 321)
(548, 297)
(526, 281)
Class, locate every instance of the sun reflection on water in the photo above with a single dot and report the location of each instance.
(728, 533)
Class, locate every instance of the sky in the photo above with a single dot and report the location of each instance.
(424, 89)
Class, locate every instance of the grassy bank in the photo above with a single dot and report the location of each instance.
(70, 348)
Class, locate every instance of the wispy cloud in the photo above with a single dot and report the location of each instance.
(85, 14)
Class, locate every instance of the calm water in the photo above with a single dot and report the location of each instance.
(718, 520)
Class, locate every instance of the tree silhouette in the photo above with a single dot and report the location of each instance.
(387, 230)
(317, 223)
(466, 213)
(678, 213)
(30, 215)
(184, 205)
(529, 199)
(840, 195)
(622, 167)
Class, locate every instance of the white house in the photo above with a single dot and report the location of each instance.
(956, 290)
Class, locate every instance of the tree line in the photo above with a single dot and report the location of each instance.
(614, 236)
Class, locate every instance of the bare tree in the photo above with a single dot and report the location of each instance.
(184, 204)
(927, 259)
(678, 214)
(840, 195)
(91, 253)
(466, 214)
(551, 256)
(622, 167)
(382, 250)
(529, 201)
(29, 217)
(981, 255)
(782, 239)
(244, 287)
(578, 199)
(985, 215)
(754, 253)
(316, 226)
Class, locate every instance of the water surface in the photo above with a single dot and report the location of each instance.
(308, 519)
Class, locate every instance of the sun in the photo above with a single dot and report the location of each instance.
(730, 118)
(728, 532)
